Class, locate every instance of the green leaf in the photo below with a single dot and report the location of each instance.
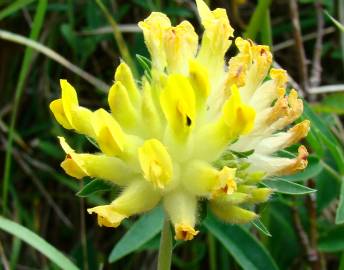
(261, 227)
(258, 16)
(332, 103)
(149, 225)
(92, 187)
(313, 168)
(243, 154)
(248, 252)
(36, 242)
(287, 187)
(336, 151)
(340, 209)
(323, 136)
(333, 240)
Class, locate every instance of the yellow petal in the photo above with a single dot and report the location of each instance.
(180, 44)
(181, 207)
(57, 109)
(238, 117)
(184, 232)
(156, 163)
(138, 197)
(151, 116)
(108, 216)
(121, 107)
(69, 99)
(232, 214)
(154, 28)
(78, 117)
(199, 79)
(178, 104)
(99, 166)
(124, 75)
(109, 135)
(201, 179)
(215, 40)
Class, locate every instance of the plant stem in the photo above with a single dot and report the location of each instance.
(212, 252)
(165, 249)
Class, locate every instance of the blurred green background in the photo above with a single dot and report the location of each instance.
(83, 41)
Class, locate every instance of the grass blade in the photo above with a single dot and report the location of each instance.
(123, 48)
(14, 7)
(6, 35)
(36, 28)
(36, 242)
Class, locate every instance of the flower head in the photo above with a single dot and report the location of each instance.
(176, 137)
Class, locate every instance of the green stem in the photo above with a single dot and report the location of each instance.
(123, 48)
(165, 249)
(212, 252)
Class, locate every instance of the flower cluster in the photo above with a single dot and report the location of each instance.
(180, 134)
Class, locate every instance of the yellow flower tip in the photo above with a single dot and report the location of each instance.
(184, 232)
(260, 195)
(108, 216)
(72, 165)
(280, 77)
(216, 18)
(232, 214)
(279, 110)
(299, 163)
(155, 163)
(69, 95)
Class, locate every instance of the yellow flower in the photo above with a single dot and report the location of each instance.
(174, 137)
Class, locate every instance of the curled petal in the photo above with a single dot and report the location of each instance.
(100, 166)
(107, 215)
(56, 107)
(278, 165)
(282, 140)
(138, 197)
(184, 232)
(68, 112)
